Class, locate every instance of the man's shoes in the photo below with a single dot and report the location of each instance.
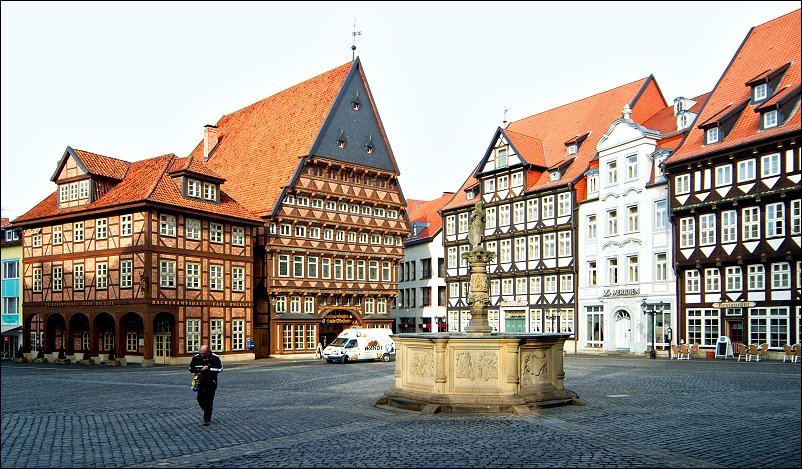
(206, 424)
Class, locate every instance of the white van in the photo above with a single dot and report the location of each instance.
(361, 344)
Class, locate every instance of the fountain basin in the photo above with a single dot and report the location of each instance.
(463, 372)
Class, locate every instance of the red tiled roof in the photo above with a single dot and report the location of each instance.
(766, 46)
(427, 212)
(106, 166)
(592, 114)
(260, 145)
(530, 148)
(4, 221)
(665, 122)
(190, 165)
(145, 181)
(554, 127)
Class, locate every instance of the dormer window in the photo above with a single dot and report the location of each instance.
(760, 92)
(770, 119)
(341, 139)
(683, 121)
(369, 145)
(355, 103)
(210, 191)
(193, 188)
(712, 135)
(554, 176)
(572, 145)
(593, 182)
(470, 195)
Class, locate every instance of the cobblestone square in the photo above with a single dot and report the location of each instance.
(307, 413)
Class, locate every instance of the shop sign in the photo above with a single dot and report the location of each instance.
(734, 304)
(621, 292)
(338, 318)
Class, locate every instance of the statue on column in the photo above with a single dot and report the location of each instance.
(476, 226)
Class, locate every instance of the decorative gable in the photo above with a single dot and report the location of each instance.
(352, 132)
(501, 154)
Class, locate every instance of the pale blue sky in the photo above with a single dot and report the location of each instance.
(136, 80)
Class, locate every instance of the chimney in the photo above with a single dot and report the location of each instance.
(209, 140)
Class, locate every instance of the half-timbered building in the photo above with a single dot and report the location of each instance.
(526, 181)
(141, 262)
(314, 163)
(734, 197)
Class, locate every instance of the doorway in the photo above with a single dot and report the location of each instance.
(623, 329)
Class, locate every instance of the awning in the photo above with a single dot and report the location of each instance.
(11, 329)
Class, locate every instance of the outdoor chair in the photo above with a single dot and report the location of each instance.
(789, 353)
(764, 351)
(694, 350)
(754, 352)
(743, 352)
(684, 352)
(675, 352)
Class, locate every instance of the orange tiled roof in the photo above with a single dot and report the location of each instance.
(190, 165)
(554, 127)
(106, 166)
(768, 46)
(665, 122)
(427, 212)
(146, 181)
(530, 148)
(260, 145)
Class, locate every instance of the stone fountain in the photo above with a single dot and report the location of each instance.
(478, 370)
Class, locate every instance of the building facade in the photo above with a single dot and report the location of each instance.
(625, 242)
(11, 245)
(421, 302)
(140, 261)
(734, 198)
(526, 182)
(314, 163)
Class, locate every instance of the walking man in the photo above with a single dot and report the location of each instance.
(207, 366)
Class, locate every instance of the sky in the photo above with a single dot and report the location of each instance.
(134, 80)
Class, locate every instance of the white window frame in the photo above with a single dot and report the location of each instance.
(192, 274)
(746, 170)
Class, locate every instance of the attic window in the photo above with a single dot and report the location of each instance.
(770, 119)
(760, 92)
(369, 145)
(712, 135)
(571, 150)
(355, 103)
(470, 195)
(341, 139)
(501, 157)
(554, 175)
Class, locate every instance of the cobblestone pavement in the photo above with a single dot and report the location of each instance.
(307, 413)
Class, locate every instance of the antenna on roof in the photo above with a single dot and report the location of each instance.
(353, 44)
(505, 116)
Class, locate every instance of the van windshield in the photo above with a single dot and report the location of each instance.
(339, 342)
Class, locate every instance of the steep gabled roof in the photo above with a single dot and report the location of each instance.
(94, 164)
(260, 145)
(145, 181)
(541, 138)
(427, 212)
(766, 47)
(665, 122)
(592, 116)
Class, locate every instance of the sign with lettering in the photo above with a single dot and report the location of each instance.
(201, 303)
(338, 318)
(621, 292)
(734, 304)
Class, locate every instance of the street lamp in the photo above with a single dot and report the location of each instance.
(650, 309)
(669, 334)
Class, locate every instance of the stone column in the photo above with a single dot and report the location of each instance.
(478, 297)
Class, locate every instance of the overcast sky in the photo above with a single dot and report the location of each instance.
(137, 80)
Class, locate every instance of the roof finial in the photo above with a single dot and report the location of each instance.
(505, 116)
(626, 112)
(353, 44)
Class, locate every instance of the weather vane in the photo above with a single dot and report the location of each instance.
(505, 115)
(353, 44)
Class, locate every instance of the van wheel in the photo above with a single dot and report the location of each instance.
(344, 359)
(386, 357)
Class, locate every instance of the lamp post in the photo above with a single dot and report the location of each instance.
(669, 334)
(650, 310)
